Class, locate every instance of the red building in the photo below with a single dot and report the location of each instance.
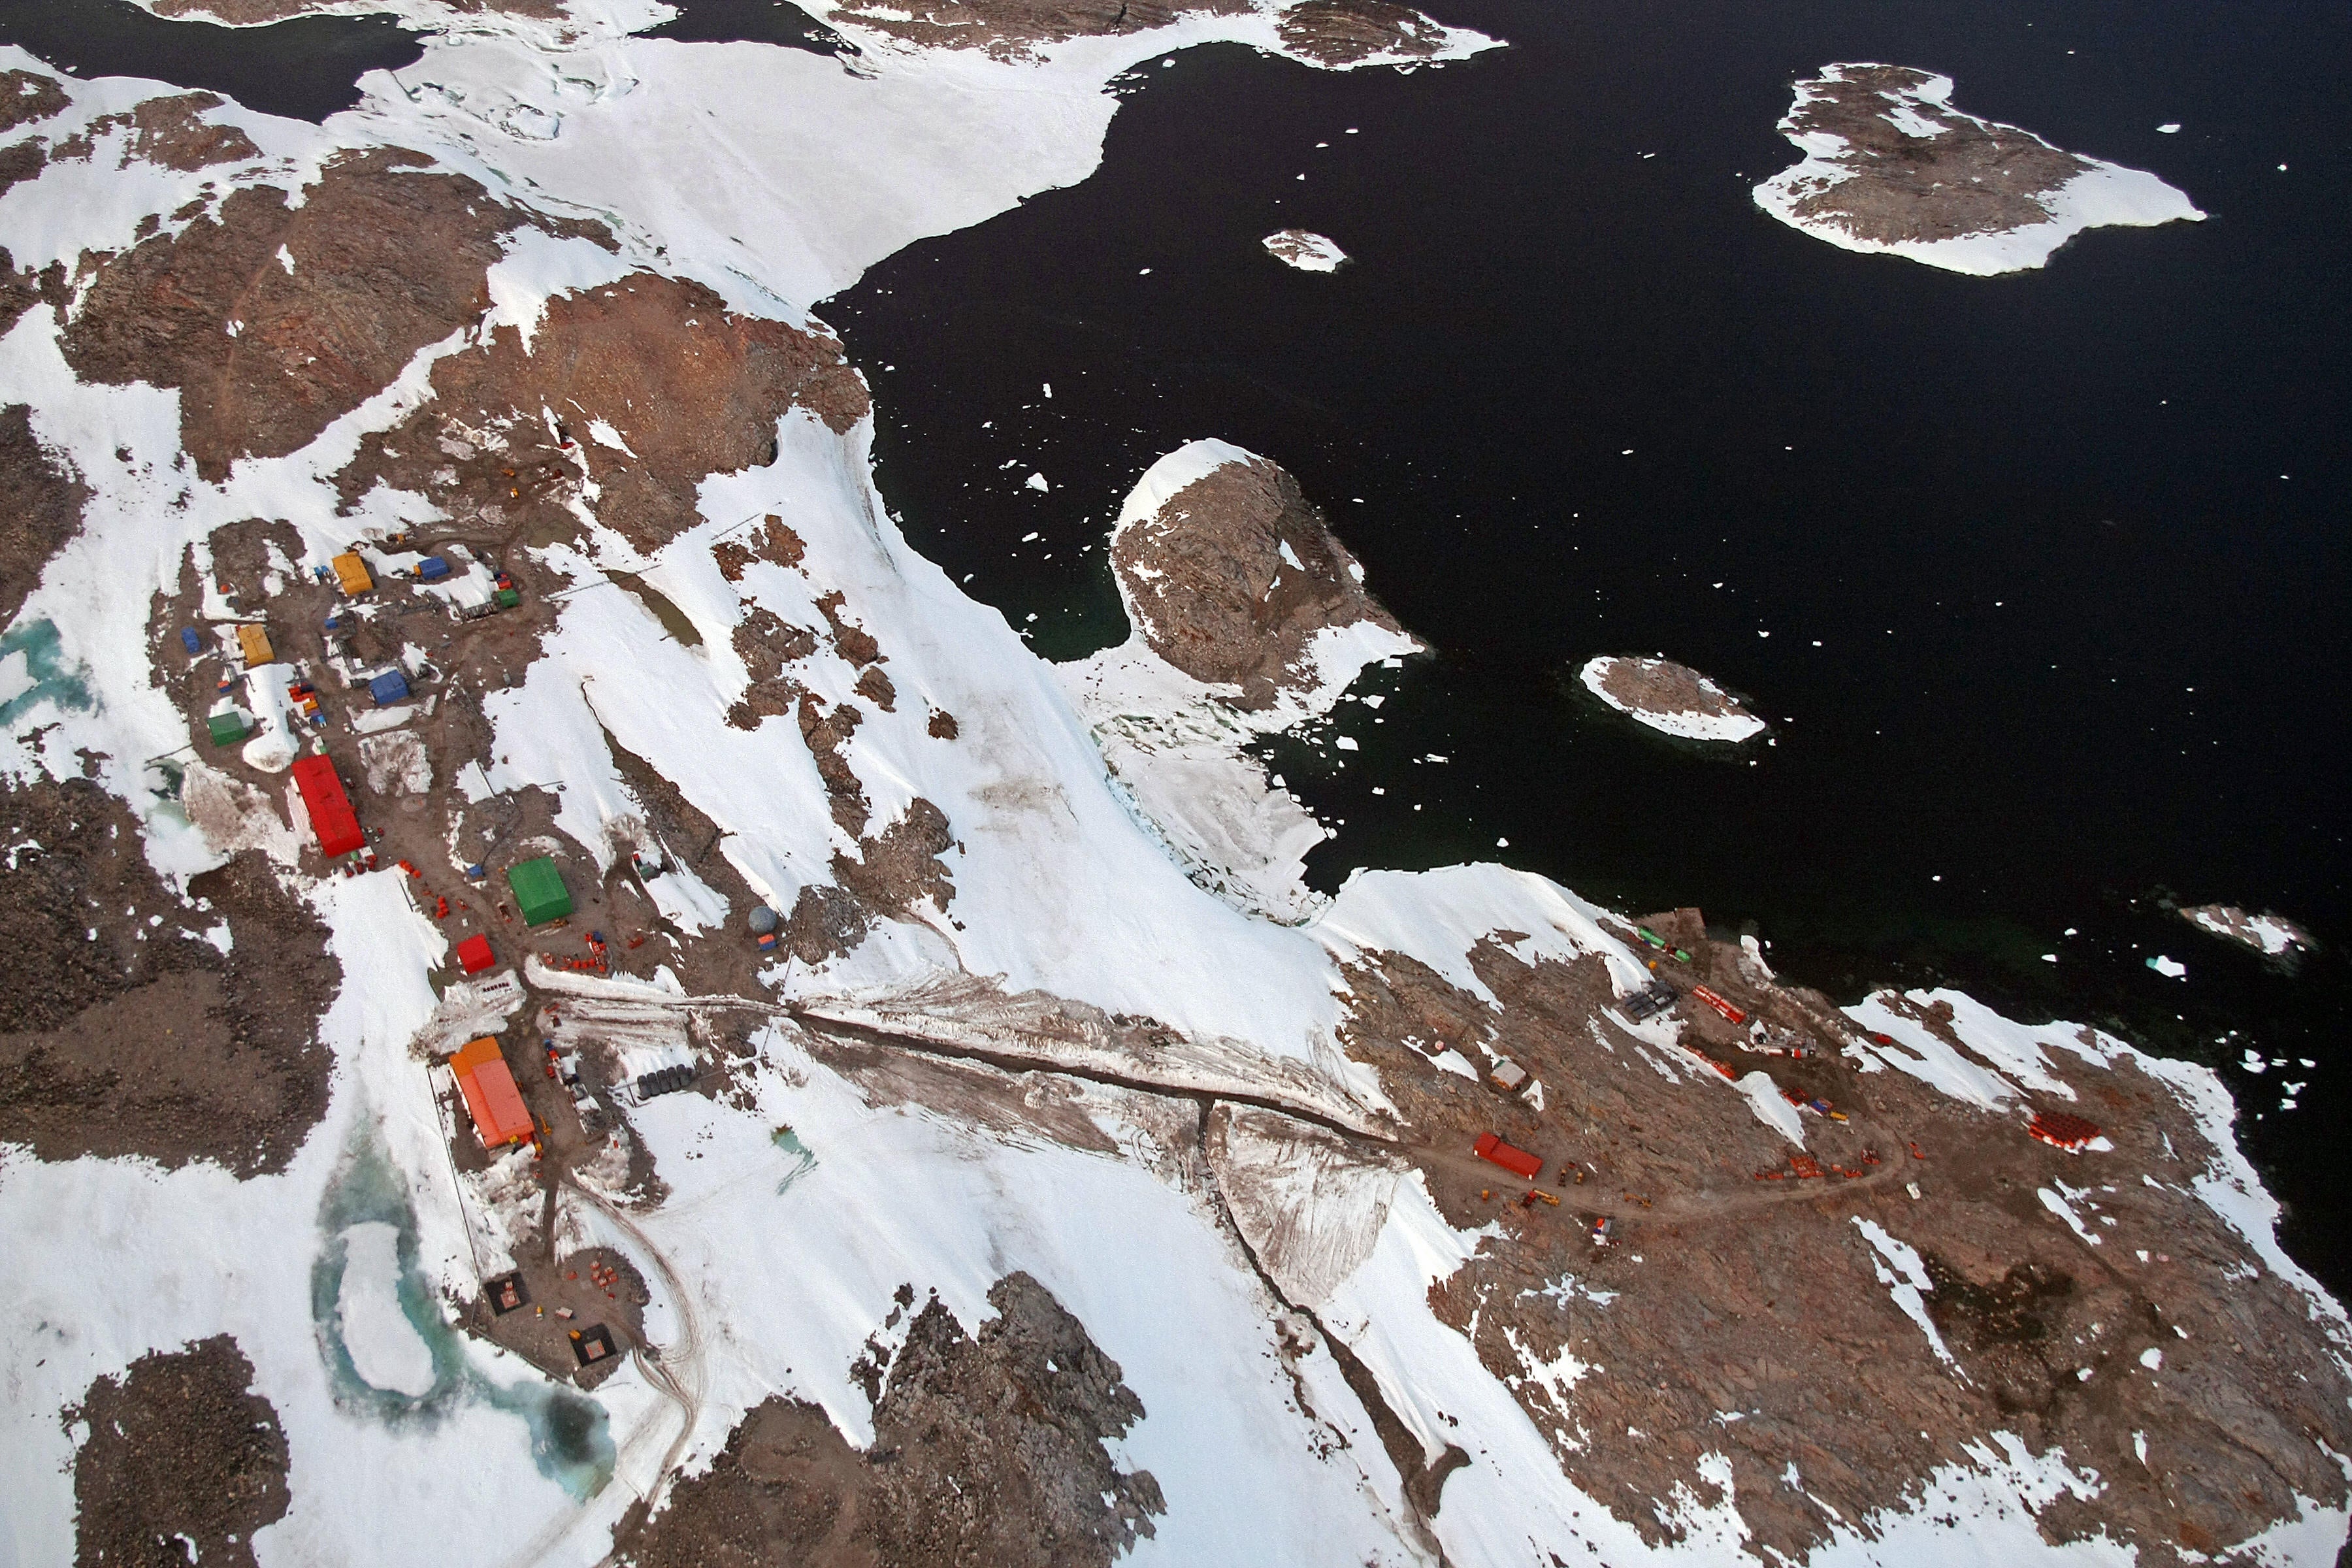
(331, 816)
(1519, 1162)
(474, 953)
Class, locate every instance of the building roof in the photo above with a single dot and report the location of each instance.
(539, 891)
(331, 818)
(474, 953)
(497, 1106)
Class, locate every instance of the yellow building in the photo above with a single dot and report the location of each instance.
(255, 641)
(352, 573)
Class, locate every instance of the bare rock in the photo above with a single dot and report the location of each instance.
(46, 498)
(1345, 32)
(1920, 170)
(184, 1461)
(988, 1448)
(691, 387)
(387, 259)
(1230, 577)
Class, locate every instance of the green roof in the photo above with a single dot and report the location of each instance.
(226, 728)
(538, 892)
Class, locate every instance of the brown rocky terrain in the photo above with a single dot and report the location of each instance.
(1969, 177)
(125, 1032)
(387, 258)
(170, 132)
(1662, 687)
(1343, 32)
(692, 388)
(1741, 1309)
(1212, 590)
(1010, 29)
(252, 12)
(2267, 933)
(988, 1448)
(1328, 32)
(182, 1461)
(29, 97)
(45, 501)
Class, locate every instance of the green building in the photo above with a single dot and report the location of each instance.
(228, 729)
(538, 892)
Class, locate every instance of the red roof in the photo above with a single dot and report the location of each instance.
(474, 953)
(1518, 1160)
(331, 818)
(500, 1114)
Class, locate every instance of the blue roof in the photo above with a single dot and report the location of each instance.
(432, 568)
(389, 687)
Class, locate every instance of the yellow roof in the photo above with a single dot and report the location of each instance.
(255, 641)
(352, 573)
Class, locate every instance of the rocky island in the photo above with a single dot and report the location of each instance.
(2272, 936)
(1306, 251)
(1670, 698)
(1249, 616)
(1891, 167)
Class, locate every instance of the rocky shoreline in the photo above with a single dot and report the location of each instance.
(1891, 167)
(1672, 698)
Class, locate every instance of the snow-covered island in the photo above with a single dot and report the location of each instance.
(2272, 936)
(1307, 251)
(1891, 167)
(1671, 697)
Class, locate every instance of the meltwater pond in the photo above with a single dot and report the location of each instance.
(2039, 577)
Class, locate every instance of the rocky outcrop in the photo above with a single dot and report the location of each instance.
(1671, 697)
(184, 1461)
(1228, 572)
(2116, 1324)
(987, 1449)
(674, 385)
(46, 498)
(29, 97)
(2272, 936)
(386, 258)
(1891, 165)
(1350, 32)
(1326, 32)
(137, 1025)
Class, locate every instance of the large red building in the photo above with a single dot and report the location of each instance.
(331, 816)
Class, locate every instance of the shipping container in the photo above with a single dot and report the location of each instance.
(331, 818)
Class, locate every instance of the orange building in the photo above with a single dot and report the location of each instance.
(500, 1114)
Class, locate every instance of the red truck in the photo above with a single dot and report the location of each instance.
(1519, 1162)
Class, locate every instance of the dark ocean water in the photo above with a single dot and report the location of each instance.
(306, 68)
(2051, 565)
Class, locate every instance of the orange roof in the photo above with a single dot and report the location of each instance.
(500, 1114)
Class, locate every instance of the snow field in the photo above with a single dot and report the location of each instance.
(788, 1288)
